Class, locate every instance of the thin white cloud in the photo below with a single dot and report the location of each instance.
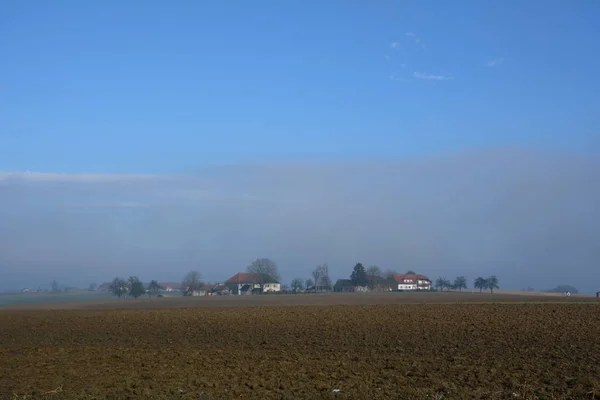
(397, 78)
(394, 45)
(430, 77)
(413, 35)
(494, 62)
(387, 57)
(27, 176)
(125, 190)
(119, 204)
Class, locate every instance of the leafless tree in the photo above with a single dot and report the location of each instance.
(316, 276)
(373, 272)
(153, 288)
(389, 273)
(55, 287)
(118, 287)
(192, 281)
(264, 267)
(321, 277)
(297, 285)
(326, 282)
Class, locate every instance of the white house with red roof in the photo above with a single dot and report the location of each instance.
(248, 283)
(412, 282)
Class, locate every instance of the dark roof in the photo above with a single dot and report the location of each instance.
(247, 277)
(246, 287)
(218, 288)
(344, 282)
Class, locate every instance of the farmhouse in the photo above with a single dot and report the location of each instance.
(219, 290)
(343, 285)
(249, 283)
(104, 287)
(202, 290)
(346, 285)
(171, 286)
(412, 282)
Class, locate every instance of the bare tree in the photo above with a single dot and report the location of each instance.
(153, 288)
(389, 273)
(373, 272)
(443, 283)
(460, 283)
(192, 281)
(309, 283)
(480, 283)
(321, 277)
(118, 287)
(492, 283)
(316, 275)
(264, 267)
(135, 287)
(55, 287)
(297, 285)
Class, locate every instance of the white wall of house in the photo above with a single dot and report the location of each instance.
(411, 284)
(407, 286)
(424, 285)
(272, 287)
(241, 285)
(268, 287)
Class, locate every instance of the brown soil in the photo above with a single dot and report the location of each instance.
(178, 301)
(388, 351)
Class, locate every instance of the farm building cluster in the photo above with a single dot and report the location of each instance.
(244, 283)
(397, 282)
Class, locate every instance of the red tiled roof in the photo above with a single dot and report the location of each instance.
(247, 277)
(399, 278)
(244, 277)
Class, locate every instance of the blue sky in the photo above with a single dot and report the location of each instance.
(154, 86)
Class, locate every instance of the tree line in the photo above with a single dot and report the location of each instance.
(360, 276)
(319, 280)
(460, 283)
(134, 287)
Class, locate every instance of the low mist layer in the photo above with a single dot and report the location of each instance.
(531, 218)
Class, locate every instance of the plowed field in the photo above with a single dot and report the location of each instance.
(391, 351)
